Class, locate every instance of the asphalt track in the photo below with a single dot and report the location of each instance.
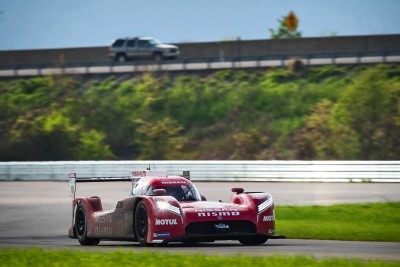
(37, 214)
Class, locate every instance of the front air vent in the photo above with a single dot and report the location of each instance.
(206, 228)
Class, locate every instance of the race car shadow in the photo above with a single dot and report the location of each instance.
(184, 245)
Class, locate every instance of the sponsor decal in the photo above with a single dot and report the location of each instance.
(162, 234)
(222, 209)
(139, 173)
(269, 218)
(119, 215)
(166, 222)
(174, 182)
(258, 196)
(103, 230)
(105, 218)
(219, 213)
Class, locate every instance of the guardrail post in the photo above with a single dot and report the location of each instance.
(15, 71)
(307, 58)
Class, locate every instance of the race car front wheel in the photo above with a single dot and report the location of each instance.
(81, 228)
(141, 223)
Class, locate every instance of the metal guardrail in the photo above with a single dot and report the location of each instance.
(110, 67)
(263, 171)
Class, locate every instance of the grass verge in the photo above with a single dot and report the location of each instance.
(363, 222)
(41, 257)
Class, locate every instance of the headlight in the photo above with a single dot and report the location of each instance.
(265, 205)
(162, 205)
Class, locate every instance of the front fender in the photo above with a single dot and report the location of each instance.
(263, 205)
(165, 218)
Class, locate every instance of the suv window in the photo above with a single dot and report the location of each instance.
(118, 43)
(154, 42)
(131, 43)
(143, 43)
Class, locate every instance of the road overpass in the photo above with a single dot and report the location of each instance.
(208, 56)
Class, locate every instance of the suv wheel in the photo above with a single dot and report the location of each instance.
(120, 58)
(158, 57)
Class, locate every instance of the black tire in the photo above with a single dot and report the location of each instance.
(120, 58)
(81, 228)
(253, 241)
(189, 243)
(142, 224)
(158, 57)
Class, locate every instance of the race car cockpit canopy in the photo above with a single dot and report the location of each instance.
(178, 187)
(149, 183)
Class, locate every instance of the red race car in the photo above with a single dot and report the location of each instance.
(163, 209)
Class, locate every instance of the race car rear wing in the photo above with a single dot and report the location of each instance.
(73, 179)
(134, 177)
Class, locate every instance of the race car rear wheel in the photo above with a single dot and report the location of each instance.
(253, 241)
(141, 223)
(81, 228)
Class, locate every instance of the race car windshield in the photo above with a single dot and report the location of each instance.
(180, 192)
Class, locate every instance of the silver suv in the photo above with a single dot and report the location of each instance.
(124, 49)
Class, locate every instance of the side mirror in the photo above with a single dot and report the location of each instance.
(203, 198)
(159, 192)
(237, 190)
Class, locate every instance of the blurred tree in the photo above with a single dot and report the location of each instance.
(370, 107)
(92, 146)
(43, 137)
(287, 28)
(160, 139)
(322, 139)
(247, 145)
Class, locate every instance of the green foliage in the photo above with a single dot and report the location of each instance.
(369, 107)
(361, 124)
(160, 139)
(125, 257)
(327, 112)
(92, 146)
(43, 137)
(320, 138)
(362, 222)
(283, 32)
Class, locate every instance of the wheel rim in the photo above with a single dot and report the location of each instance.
(80, 222)
(142, 222)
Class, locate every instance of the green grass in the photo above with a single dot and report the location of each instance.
(363, 222)
(59, 258)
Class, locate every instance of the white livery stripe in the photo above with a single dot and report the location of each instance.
(265, 205)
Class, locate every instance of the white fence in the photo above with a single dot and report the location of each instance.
(275, 171)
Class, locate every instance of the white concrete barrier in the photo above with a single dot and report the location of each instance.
(106, 68)
(265, 171)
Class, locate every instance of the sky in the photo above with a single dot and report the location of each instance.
(43, 24)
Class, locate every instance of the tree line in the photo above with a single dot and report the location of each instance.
(318, 113)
